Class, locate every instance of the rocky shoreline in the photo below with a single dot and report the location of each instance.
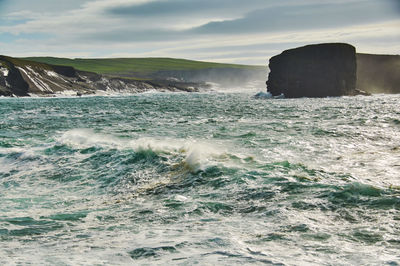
(23, 78)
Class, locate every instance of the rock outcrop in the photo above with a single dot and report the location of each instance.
(11, 80)
(318, 70)
(26, 78)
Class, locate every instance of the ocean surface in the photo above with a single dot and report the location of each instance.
(200, 178)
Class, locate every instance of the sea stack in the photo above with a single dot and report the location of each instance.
(318, 70)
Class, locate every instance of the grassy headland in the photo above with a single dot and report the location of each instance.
(137, 67)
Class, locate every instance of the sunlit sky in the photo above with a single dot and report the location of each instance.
(232, 31)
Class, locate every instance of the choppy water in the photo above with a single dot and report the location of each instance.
(213, 178)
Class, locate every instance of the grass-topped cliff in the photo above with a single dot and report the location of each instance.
(151, 68)
(8, 61)
(23, 77)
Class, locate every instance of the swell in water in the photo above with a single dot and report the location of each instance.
(208, 178)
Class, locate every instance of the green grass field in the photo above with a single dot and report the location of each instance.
(141, 67)
(23, 62)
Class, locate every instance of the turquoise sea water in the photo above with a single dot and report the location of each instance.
(200, 178)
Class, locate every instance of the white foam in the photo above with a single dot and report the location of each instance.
(86, 138)
(197, 154)
(263, 95)
(112, 93)
(180, 198)
(66, 93)
(152, 91)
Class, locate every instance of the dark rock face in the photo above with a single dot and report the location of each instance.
(13, 83)
(319, 70)
(65, 71)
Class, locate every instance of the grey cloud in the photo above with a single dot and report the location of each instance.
(287, 16)
(303, 17)
(187, 7)
(240, 48)
(396, 5)
(263, 16)
(42, 5)
(1, 6)
(133, 35)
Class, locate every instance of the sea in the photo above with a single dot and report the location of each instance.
(209, 178)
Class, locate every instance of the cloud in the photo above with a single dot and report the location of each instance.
(194, 29)
(2, 2)
(395, 5)
(300, 17)
(187, 8)
(42, 6)
(134, 35)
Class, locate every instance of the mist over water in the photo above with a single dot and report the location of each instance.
(209, 178)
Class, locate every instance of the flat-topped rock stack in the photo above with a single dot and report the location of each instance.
(319, 70)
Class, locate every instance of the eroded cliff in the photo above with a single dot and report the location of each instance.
(25, 78)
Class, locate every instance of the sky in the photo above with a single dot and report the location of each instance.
(227, 31)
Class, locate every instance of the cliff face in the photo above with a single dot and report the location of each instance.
(24, 78)
(319, 70)
(11, 80)
(378, 73)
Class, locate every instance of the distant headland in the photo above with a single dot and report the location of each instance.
(332, 69)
